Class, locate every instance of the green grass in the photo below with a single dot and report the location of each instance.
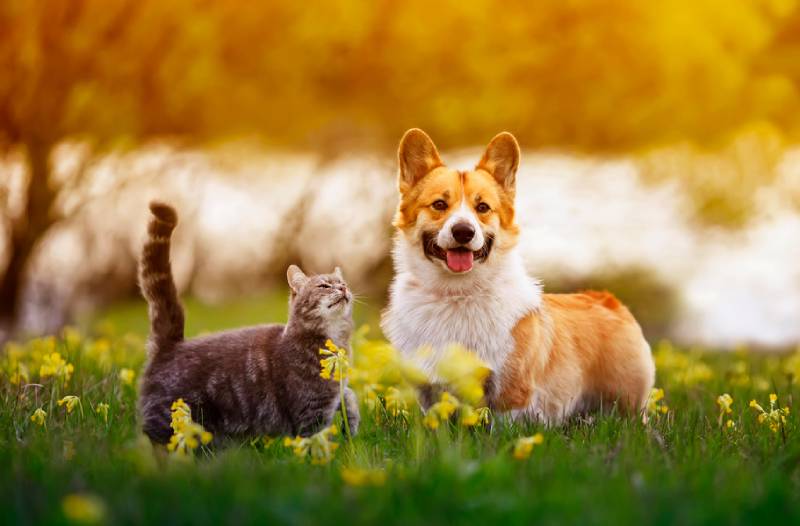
(682, 468)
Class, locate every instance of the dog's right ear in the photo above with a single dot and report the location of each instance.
(416, 156)
(296, 278)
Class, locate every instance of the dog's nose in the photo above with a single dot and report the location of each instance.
(463, 232)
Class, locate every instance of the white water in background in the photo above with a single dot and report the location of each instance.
(578, 216)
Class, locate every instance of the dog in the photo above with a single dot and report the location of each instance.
(459, 279)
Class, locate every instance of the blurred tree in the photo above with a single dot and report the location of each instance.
(597, 75)
(104, 71)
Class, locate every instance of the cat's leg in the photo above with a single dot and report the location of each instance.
(353, 414)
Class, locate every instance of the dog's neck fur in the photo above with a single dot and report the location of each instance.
(429, 308)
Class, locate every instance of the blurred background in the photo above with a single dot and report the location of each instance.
(661, 149)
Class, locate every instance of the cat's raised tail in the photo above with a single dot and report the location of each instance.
(156, 282)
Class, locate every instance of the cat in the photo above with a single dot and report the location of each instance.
(261, 380)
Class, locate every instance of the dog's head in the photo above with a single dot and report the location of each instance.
(456, 220)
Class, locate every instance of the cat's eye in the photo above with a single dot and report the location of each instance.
(440, 205)
(324, 286)
(482, 208)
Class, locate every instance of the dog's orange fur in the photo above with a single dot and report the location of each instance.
(451, 186)
(588, 339)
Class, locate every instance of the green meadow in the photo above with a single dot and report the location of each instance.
(700, 459)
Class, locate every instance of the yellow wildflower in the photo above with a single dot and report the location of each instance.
(71, 337)
(102, 410)
(54, 365)
(775, 417)
(524, 446)
(431, 421)
(474, 417)
(336, 364)
(464, 372)
(20, 375)
(655, 404)
(724, 401)
(469, 417)
(363, 477)
(686, 368)
(83, 508)
(38, 417)
(397, 401)
(126, 376)
(441, 410)
(70, 401)
(318, 447)
(187, 434)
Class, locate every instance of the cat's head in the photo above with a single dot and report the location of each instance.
(321, 301)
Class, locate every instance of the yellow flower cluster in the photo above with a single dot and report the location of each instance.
(318, 448)
(464, 372)
(680, 367)
(126, 376)
(70, 401)
(102, 410)
(523, 447)
(50, 356)
(775, 417)
(363, 477)
(82, 508)
(655, 403)
(38, 417)
(336, 364)
(725, 401)
(385, 382)
(447, 405)
(187, 434)
(54, 365)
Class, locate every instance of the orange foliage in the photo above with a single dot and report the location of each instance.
(592, 74)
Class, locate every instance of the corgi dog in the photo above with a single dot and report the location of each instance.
(459, 279)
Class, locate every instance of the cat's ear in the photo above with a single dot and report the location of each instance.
(338, 273)
(296, 278)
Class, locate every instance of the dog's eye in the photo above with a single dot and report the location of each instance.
(439, 204)
(482, 208)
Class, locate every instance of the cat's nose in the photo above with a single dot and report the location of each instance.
(343, 288)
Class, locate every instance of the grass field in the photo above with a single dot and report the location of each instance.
(689, 465)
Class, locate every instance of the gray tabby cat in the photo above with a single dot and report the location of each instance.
(262, 380)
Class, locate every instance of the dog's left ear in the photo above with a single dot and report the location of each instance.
(501, 159)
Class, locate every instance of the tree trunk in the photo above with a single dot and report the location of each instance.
(26, 231)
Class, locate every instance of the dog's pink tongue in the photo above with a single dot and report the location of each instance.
(459, 260)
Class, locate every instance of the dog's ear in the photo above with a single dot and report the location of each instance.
(416, 156)
(501, 159)
(296, 278)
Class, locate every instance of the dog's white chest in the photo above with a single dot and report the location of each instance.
(480, 321)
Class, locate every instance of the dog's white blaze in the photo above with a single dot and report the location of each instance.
(429, 308)
(465, 214)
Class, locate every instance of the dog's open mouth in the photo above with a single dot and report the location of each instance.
(459, 259)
